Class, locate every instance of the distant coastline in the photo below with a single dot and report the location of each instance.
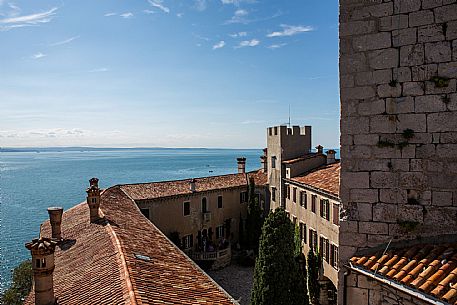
(89, 149)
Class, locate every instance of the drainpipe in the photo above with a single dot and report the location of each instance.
(345, 275)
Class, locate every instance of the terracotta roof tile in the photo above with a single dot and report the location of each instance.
(163, 189)
(431, 269)
(295, 160)
(325, 177)
(124, 259)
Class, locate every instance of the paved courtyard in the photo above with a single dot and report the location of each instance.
(236, 280)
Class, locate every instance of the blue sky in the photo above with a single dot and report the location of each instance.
(203, 73)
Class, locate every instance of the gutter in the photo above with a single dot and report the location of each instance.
(410, 291)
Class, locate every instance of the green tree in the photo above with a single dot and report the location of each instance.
(297, 242)
(277, 278)
(20, 286)
(314, 263)
(254, 218)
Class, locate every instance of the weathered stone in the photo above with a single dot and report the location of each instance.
(365, 212)
(383, 180)
(412, 55)
(448, 137)
(380, 10)
(425, 151)
(360, 151)
(447, 151)
(383, 59)
(413, 89)
(454, 50)
(394, 195)
(393, 22)
(370, 227)
(386, 90)
(372, 41)
(400, 165)
(382, 76)
(347, 81)
(357, 295)
(357, 93)
(406, 6)
(451, 31)
(430, 33)
(421, 18)
(448, 70)
(442, 121)
(400, 105)
(404, 37)
(408, 152)
(353, 63)
(364, 195)
(374, 107)
(442, 198)
(437, 52)
(386, 152)
(373, 165)
(425, 72)
(445, 13)
(385, 212)
(355, 125)
(402, 74)
(414, 121)
(426, 4)
(431, 88)
(410, 213)
(357, 180)
(357, 28)
(421, 138)
(413, 180)
(429, 103)
(382, 124)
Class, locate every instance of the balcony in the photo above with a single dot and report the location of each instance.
(218, 259)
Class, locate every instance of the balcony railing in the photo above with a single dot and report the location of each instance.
(209, 256)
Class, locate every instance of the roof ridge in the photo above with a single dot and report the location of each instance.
(182, 180)
(123, 263)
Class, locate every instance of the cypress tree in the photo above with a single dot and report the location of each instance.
(254, 218)
(314, 263)
(297, 242)
(277, 278)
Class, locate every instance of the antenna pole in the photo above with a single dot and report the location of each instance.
(289, 115)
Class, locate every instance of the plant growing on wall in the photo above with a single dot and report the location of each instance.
(277, 278)
(254, 219)
(20, 286)
(314, 264)
(440, 82)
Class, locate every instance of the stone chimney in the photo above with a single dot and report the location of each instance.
(241, 165)
(331, 156)
(55, 218)
(192, 185)
(93, 200)
(42, 251)
(320, 149)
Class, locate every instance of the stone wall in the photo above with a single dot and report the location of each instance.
(365, 290)
(398, 70)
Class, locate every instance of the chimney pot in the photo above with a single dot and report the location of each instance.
(55, 218)
(320, 149)
(263, 160)
(241, 165)
(192, 185)
(331, 156)
(93, 200)
(42, 251)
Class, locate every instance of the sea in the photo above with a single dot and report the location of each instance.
(33, 179)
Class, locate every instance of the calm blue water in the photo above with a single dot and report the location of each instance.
(30, 182)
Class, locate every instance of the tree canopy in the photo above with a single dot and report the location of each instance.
(254, 219)
(20, 286)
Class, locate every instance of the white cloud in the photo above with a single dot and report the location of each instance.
(179, 15)
(237, 2)
(97, 70)
(126, 15)
(248, 43)
(239, 34)
(200, 5)
(149, 12)
(38, 55)
(240, 16)
(110, 14)
(219, 45)
(277, 46)
(27, 20)
(158, 4)
(290, 30)
(59, 43)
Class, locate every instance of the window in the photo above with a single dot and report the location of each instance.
(313, 239)
(186, 208)
(304, 200)
(93, 200)
(273, 161)
(219, 202)
(270, 131)
(204, 205)
(325, 209)
(288, 191)
(40, 263)
(303, 232)
(336, 214)
(273, 194)
(276, 131)
(294, 194)
(188, 241)
(145, 212)
(324, 248)
(219, 232)
(313, 203)
(334, 256)
(243, 197)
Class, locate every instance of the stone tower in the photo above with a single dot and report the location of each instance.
(42, 251)
(284, 143)
(398, 70)
(93, 199)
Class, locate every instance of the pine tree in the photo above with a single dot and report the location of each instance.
(254, 219)
(20, 286)
(277, 278)
(314, 263)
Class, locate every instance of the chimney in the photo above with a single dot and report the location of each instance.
(320, 149)
(264, 161)
(93, 199)
(192, 185)
(241, 165)
(55, 218)
(42, 250)
(331, 156)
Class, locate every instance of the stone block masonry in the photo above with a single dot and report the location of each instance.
(398, 70)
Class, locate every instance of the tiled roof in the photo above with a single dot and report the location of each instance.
(125, 259)
(155, 190)
(308, 156)
(325, 177)
(431, 269)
